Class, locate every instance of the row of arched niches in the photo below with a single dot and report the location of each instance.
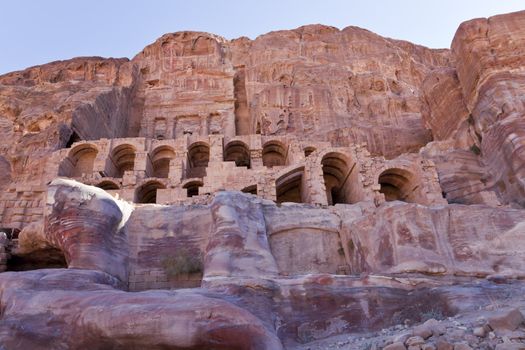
(281, 169)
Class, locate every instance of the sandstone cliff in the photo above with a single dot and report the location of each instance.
(304, 185)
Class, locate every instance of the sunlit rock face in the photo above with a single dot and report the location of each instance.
(480, 104)
(286, 192)
(491, 65)
(344, 86)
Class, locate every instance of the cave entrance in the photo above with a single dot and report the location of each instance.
(72, 139)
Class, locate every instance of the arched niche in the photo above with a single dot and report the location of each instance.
(289, 187)
(274, 154)
(147, 192)
(192, 188)
(108, 185)
(123, 158)
(309, 150)
(398, 184)
(198, 159)
(161, 158)
(238, 152)
(340, 178)
(79, 161)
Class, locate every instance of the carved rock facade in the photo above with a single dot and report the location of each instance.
(298, 186)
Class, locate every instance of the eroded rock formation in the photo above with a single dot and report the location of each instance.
(265, 194)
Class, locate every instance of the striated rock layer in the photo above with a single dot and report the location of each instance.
(266, 194)
(251, 295)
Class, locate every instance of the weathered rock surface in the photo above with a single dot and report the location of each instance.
(487, 84)
(347, 86)
(84, 223)
(76, 309)
(42, 106)
(506, 320)
(238, 244)
(252, 305)
(452, 239)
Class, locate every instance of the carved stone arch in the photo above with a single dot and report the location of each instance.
(161, 157)
(289, 186)
(274, 154)
(398, 184)
(340, 178)
(309, 150)
(123, 158)
(192, 187)
(108, 185)
(80, 160)
(147, 192)
(198, 159)
(238, 152)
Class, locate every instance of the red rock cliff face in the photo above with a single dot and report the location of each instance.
(344, 86)
(185, 86)
(338, 121)
(312, 83)
(491, 66)
(348, 86)
(45, 107)
(479, 103)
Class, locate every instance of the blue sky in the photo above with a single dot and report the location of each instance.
(35, 32)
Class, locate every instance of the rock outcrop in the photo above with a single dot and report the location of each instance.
(244, 236)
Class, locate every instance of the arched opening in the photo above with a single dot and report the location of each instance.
(80, 161)
(192, 188)
(274, 154)
(397, 184)
(108, 185)
(198, 158)
(308, 151)
(160, 160)
(250, 189)
(340, 179)
(123, 157)
(238, 152)
(289, 187)
(147, 193)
